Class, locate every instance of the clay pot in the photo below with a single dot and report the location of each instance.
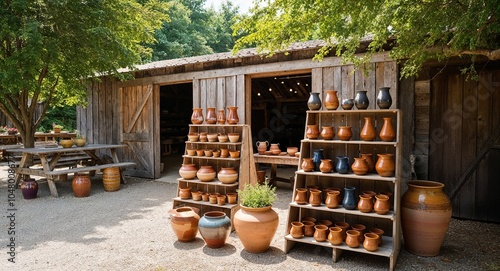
(234, 154)
(361, 100)
(262, 147)
(216, 153)
(222, 138)
(81, 185)
(208, 153)
(378, 232)
(233, 137)
(365, 204)
(344, 226)
(261, 176)
(297, 229)
(221, 199)
(371, 242)
(307, 165)
(308, 228)
(275, 148)
(206, 173)
(221, 116)
(203, 137)
(315, 197)
(111, 179)
(332, 200)
(320, 233)
(256, 227)
(344, 133)
(312, 131)
(205, 196)
(309, 218)
(196, 195)
(214, 228)
(232, 115)
(80, 141)
(212, 198)
(300, 196)
(361, 229)
(197, 116)
(369, 161)
(368, 132)
(292, 150)
(335, 236)
(314, 102)
(184, 222)
(327, 132)
(67, 143)
(232, 198)
(224, 153)
(347, 104)
(342, 166)
(200, 152)
(331, 101)
(188, 171)
(425, 217)
(326, 166)
(212, 137)
(227, 175)
(191, 152)
(349, 201)
(325, 222)
(387, 132)
(385, 165)
(211, 117)
(382, 204)
(359, 167)
(185, 192)
(29, 188)
(352, 239)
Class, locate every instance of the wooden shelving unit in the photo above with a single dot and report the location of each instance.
(244, 164)
(390, 222)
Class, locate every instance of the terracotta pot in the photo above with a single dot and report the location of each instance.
(352, 239)
(233, 137)
(29, 188)
(382, 204)
(193, 137)
(300, 196)
(344, 133)
(81, 185)
(224, 153)
(275, 148)
(320, 233)
(206, 173)
(369, 161)
(185, 192)
(216, 153)
(326, 166)
(214, 228)
(208, 153)
(312, 131)
(365, 204)
(325, 222)
(292, 150)
(332, 200)
(188, 171)
(221, 199)
(184, 222)
(212, 137)
(425, 217)
(203, 137)
(56, 130)
(212, 198)
(387, 132)
(371, 242)
(80, 141)
(368, 132)
(111, 179)
(261, 176)
(232, 115)
(211, 117)
(234, 154)
(297, 229)
(232, 198)
(315, 197)
(205, 196)
(307, 165)
(308, 228)
(223, 138)
(378, 232)
(200, 152)
(221, 116)
(227, 175)
(191, 152)
(385, 165)
(262, 146)
(361, 229)
(335, 236)
(327, 132)
(309, 218)
(196, 195)
(197, 116)
(67, 143)
(344, 226)
(331, 101)
(256, 227)
(359, 167)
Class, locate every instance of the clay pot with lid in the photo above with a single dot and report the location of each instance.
(206, 173)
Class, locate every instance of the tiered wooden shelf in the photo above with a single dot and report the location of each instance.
(244, 164)
(390, 222)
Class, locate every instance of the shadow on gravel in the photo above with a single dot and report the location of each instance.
(272, 256)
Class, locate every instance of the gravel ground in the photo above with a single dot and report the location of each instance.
(129, 230)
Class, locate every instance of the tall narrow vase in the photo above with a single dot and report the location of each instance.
(368, 131)
(215, 228)
(232, 115)
(221, 117)
(314, 102)
(349, 202)
(331, 101)
(387, 132)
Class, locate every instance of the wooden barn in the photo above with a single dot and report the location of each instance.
(451, 124)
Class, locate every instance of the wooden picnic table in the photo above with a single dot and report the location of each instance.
(50, 157)
(274, 161)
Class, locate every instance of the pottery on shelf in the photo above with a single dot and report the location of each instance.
(307, 164)
(326, 166)
(214, 227)
(185, 192)
(342, 166)
(317, 156)
(331, 101)
(315, 197)
(297, 229)
(335, 236)
(308, 228)
(359, 167)
(206, 173)
(312, 131)
(347, 104)
(327, 132)
(232, 115)
(384, 99)
(361, 229)
(344, 226)
(233, 137)
(197, 116)
(211, 117)
(320, 233)
(365, 204)
(368, 131)
(332, 200)
(212, 137)
(227, 175)
(300, 196)
(232, 197)
(382, 204)
(203, 136)
(314, 102)
(184, 222)
(275, 148)
(352, 239)
(385, 166)
(222, 138)
(369, 161)
(193, 137)
(371, 242)
(349, 202)
(188, 171)
(221, 116)
(234, 154)
(344, 133)
(361, 100)
(292, 150)
(387, 132)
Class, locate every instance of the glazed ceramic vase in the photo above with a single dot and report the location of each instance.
(382, 204)
(368, 131)
(188, 171)
(317, 156)
(227, 175)
(81, 185)
(232, 115)
(29, 188)
(335, 236)
(327, 132)
(184, 222)
(384, 100)
(314, 102)
(197, 116)
(361, 100)
(221, 117)
(425, 217)
(312, 131)
(349, 202)
(211, 117)
(347, 104)
(326, 166)
(385, 166)
(331, 101)
(387, 132)
(307, 164)
(297, 229)
(206, 173)
(359, 166)
(344, 133)
(214, 228)
(256, 227)
(262, 146)
(342, 166)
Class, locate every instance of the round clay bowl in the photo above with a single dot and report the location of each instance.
(208, 153)
(212, 137)
(67, 143)
(233, 137)
(222, 138)
(234, 154)
(200, 152)
(216, 153)
(292, 150)
(193, 137)
(191, 152)
(283, 154)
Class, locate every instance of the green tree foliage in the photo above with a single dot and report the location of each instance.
(416, 31)
(48, 46)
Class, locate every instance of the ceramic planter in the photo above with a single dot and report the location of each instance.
(256, 227)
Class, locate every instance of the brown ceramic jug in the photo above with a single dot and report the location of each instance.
(335, 236)
(382, 204)
(307, 164)
(365, 204)
(221, 117)
(326, 166)
(369, 161)
(359, 167)
(297, 229)
(300, 196)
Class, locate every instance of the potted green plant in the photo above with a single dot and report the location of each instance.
(3, 129)
(256, 222)
(57, 128)
(79, 140)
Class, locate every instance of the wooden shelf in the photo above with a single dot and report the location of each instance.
(214, 182)
(341, 209)
(371, 177)
(211, 158)
(352, 142)
(206, 203)
(341, 112)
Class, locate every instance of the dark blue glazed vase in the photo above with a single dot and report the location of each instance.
(317, 156)
(349, 202)
(314, 102)
(361, 100)
(342, 166)
(215, 228)
(384, 100)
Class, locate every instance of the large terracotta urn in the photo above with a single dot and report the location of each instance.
(184, 222)
(215, 228)
(256, 227)
(425, 217)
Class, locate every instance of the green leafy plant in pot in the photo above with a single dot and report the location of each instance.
(256, 222)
